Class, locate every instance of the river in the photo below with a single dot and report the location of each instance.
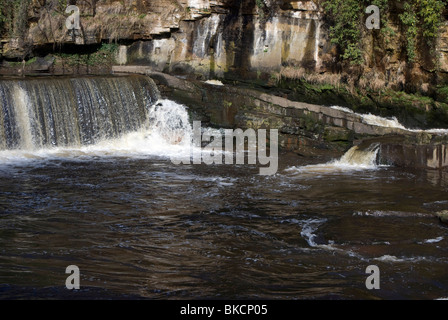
(140, 227)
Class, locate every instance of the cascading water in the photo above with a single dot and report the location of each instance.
(116, 116)
(359, 158)
(170, 121)
(393, 122)
(374, 120)
(72, 112)
(354, 159)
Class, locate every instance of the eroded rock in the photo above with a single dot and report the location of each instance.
(443, 216)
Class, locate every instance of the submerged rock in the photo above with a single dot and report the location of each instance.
(443, 216)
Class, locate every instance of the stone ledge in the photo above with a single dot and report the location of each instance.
(248, 108)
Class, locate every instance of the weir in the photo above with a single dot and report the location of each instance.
(306, 129)
(46, 113)
(56, 112)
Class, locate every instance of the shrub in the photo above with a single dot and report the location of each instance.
(345, 31)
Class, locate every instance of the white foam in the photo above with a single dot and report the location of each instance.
(374, 120)
(390, 258)
(381, 213)
(436, 240)
(386, 122)
(437, 131)
(308, 230)
(167, 134)
(215, 82)
(354, 160)
(344, 109)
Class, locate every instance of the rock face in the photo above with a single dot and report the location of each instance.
(443, 47)
(237, 39)
(214, 38)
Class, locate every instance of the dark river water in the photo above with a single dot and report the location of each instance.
(143, 228)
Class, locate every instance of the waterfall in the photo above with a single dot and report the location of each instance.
(122, 55)
(23, 117)
(61, 112)
(316, 46)
(359, 158)
(89, 117)
(354, 159)
(170, 127)
(393, 122)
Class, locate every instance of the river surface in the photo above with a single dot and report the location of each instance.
(144, 228)
(86, 180)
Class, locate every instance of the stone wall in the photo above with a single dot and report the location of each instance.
(305, 129)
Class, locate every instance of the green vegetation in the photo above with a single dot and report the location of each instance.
(31, 61)
(409, 20)
(5, 15)
(386, 31)
(345, 30)
(442, 94)
(430, 14)
(103, 57)
(260, 4)
(16, 64)
(14, 17)
(420, 19)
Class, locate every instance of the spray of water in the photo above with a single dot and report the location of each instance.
(353, 160)
(392, 122)
(166, 133)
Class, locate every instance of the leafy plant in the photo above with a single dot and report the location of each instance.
(430, 14)
(345, 31)
(7, 8)
(409, 20)
(105, 55)
(386, 30)
(261, 7)
(421, 18)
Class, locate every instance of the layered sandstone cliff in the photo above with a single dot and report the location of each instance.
(232, 39)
